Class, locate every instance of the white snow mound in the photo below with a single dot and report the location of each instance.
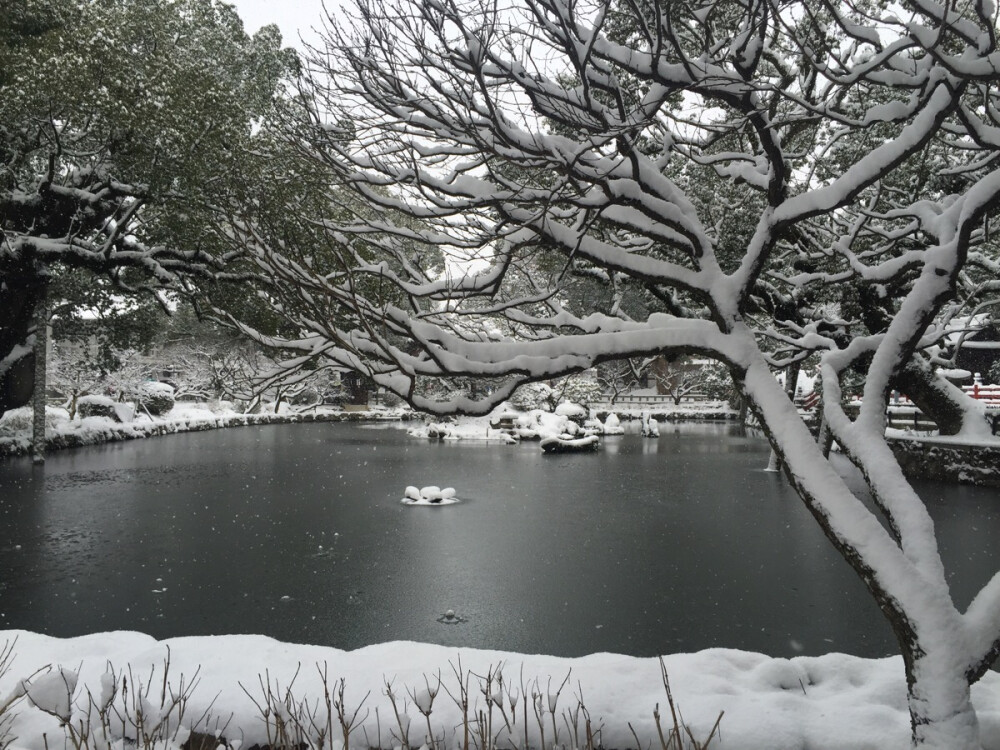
(430, 495)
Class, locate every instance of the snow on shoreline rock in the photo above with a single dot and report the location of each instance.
(613, 425)
(650, 427)
(829, 702)
(565, 444)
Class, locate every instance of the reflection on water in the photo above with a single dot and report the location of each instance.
(297, 531)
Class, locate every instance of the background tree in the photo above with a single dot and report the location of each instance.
(123, 124)
(680, 378)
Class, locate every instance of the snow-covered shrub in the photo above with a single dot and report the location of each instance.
(97, 406)
(581, 391)
(20, 420)
(532, 396)
(156, 398)
(307, 397)
(572, 411)
(390, 399)
(718, 383)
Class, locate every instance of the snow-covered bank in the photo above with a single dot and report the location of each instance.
(506, 424)
(60, 433)
(949, 459)
(831, 702)
(688, 410)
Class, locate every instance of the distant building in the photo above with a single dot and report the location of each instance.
(355, 386)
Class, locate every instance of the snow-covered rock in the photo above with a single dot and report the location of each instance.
(568, 444)
(571, 411)
(613, 425)
(430, 495)
(650, 427)
(538, 424)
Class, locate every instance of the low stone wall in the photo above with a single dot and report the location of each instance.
(117, 432)
(948, 462)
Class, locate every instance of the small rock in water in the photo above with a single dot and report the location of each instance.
(450, 618)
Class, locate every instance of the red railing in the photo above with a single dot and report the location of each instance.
(988, 393)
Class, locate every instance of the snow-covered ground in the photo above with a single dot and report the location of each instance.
(831, 702)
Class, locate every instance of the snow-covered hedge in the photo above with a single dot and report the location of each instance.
(102, 406)
(20, 420)
(156, 398)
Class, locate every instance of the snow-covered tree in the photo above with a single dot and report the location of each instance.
(679, 377)
(580, 390)
(533, 396)
(689, 151)
(75, 369)
(122, 125)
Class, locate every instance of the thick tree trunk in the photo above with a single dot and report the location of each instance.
(935, 397)
(41, 358)
(941, 713)
(19, 296)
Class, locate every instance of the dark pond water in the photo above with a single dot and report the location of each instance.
(296, 531)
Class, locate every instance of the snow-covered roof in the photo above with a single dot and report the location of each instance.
(961, 330)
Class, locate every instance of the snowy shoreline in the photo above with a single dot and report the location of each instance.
(98, 430)
(829, 702)
(187, 417)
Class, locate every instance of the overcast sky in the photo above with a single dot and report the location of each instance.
(294, 17)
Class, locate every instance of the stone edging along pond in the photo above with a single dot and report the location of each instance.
(113, 432)
(948, 462)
